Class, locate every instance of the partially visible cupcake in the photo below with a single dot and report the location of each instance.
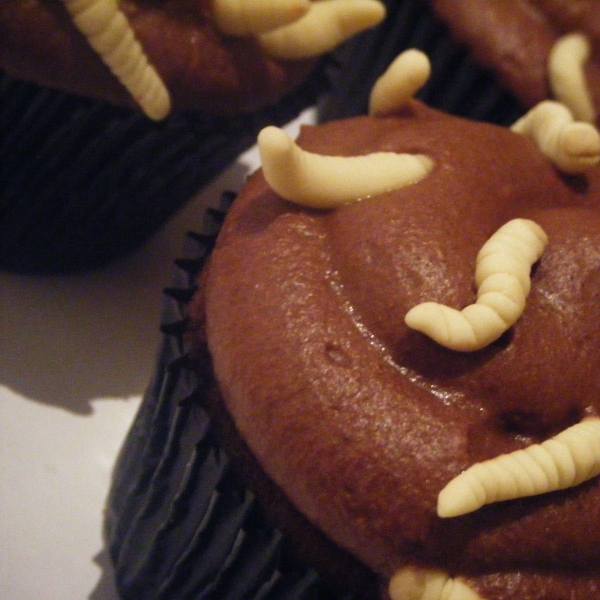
(84, 182)
(493, 60)
(217, 56)
(384, 371)
(458, 85)
(85, 175)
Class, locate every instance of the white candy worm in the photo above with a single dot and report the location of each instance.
(412, 583)
(572, 146)
(566, 64)
(252, 17)
(327, 24)
(111, 36)
(319, 181)
(407, 74)
(502, 275)
(564, 461)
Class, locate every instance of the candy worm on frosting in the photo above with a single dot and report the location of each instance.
(253, 17)
(502, 275)
(288, 29)
(319, 181)
(564, 461)
(405, 76)
(322, 28)
(412, 583)
(566, 75)
(571, 145)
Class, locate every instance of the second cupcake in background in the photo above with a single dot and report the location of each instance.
(364, 390)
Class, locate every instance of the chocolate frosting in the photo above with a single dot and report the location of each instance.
(361, 421)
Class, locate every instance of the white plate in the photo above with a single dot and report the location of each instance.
(76, 354)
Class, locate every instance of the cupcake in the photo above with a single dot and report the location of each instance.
(494, 60)
(85, 182)
(537, 50)
(459, 85)
(380, 381)
(92, 163)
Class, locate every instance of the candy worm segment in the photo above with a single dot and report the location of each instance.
(564, 461)
(502, 275)
(111, 36)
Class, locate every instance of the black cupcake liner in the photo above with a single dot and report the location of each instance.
(457, 85)
(179, 523)
(83, 182)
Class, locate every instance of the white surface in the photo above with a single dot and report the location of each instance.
(76, 354)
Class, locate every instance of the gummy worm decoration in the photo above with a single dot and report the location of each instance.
(327, 24)
(111, 36)
(566, 64)
(411, 583)
(252, 17)
(319, 181)
(407, 74)
(564, 461)
(502, 275)
(572, 146)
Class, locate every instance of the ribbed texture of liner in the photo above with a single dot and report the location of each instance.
(179, 525)
(82, 182)
(456, 85)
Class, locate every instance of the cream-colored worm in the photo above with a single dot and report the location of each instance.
(566, 63)
(252, 17)
(502, 275)
(407, 74)
(318, 181)
(327, 24)
(111, 36)
(572, 146)
(564, 461)
(412, 583)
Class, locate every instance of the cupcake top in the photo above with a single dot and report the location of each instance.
(386, 431)
(538, 49)
(221, 56)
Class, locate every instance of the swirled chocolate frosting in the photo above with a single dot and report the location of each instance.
(362, 421)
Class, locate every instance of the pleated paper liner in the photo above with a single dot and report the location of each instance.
(83, 182)
(180, 524)
(457, 85)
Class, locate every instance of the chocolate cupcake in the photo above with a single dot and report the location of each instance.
(181, 520)
(458, 84)
(335, 397)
